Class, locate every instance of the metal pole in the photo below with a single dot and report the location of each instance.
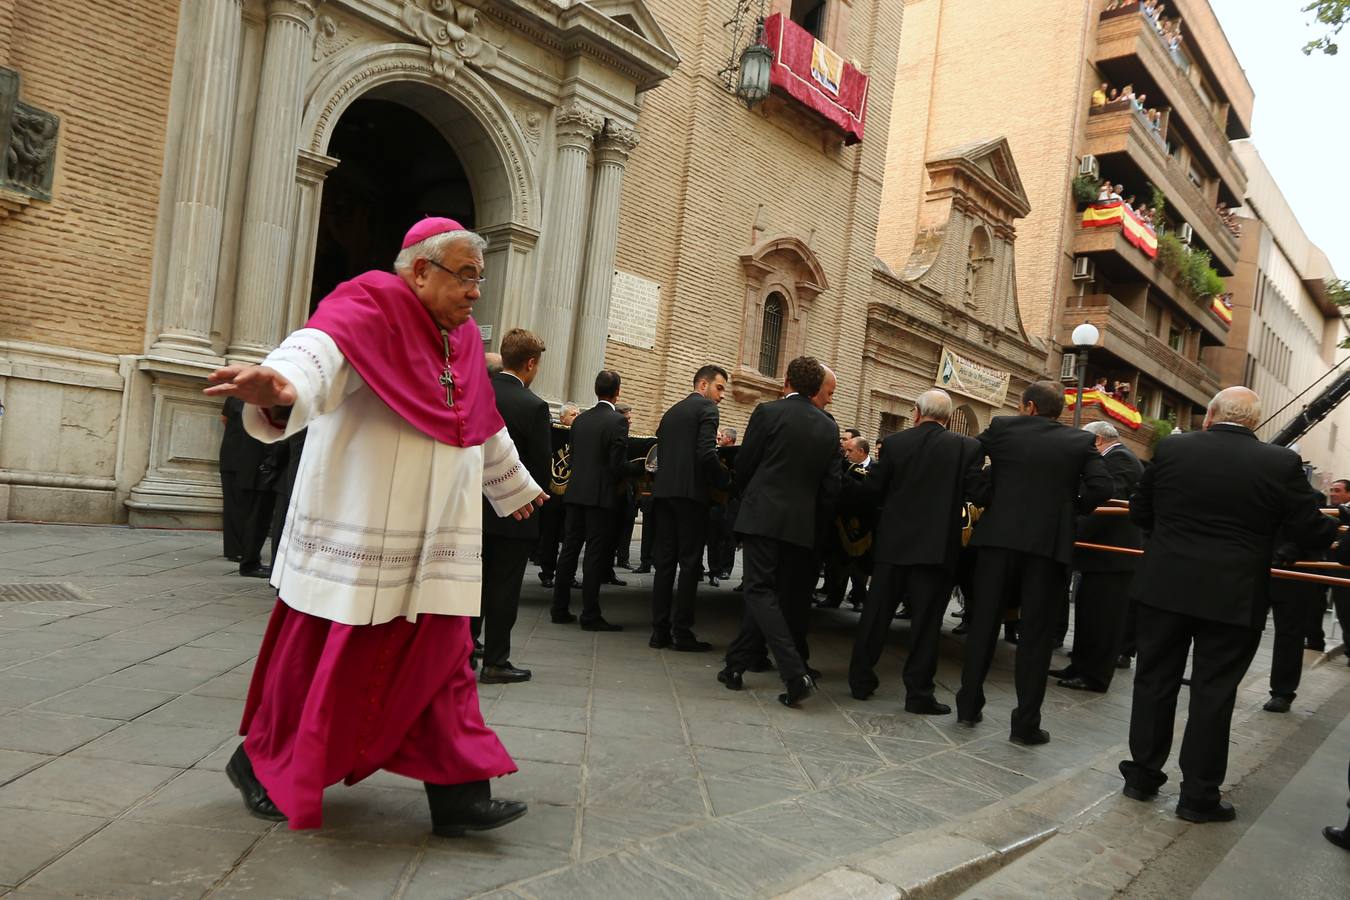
(1082, 373)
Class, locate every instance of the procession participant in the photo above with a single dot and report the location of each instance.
(789, 462)
(1102, 600)
(1041, 472)
(625, 518)
(849, 558)
(922, 481)
(1339, 496)
(1204, 583)
(247, 478)
(687, 438)
(1290, 605)
(365, 663)
(507, 541)
(552, 515)
(721, 516)
(599, 460)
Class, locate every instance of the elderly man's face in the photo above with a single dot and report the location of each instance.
(852, 452)
(826, 393)
(442, 286)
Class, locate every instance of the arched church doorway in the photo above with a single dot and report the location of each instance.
(964, 421)
(394, 168)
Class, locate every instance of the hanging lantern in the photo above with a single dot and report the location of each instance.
(756, 61)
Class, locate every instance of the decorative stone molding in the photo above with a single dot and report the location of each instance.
(531, 122)
(27, 142)
(12, 202)
(785, 265)
(577, 125)
(617, 141)
(448, 28)
(330, 37)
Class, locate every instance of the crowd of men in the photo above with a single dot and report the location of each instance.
(378, 573)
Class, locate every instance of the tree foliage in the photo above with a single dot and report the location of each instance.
(1086, 188)
(1333, 14)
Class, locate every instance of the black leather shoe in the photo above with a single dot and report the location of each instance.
(798, 689)
(1142, 794)
(1338, 836)
(740, 588)
(731, 679)
(1066, 672)
(256, 571)
(970, 723)
(659, 641)
(507, 674)
(563, 618)
(1030, 738)
(643, 569)
(1079, 683)
(861, 693)
(814, 673)
(762, 665)
(600, 625)
(1277, 704)
(1221, 812)
(576, 585)
(1122, 662)
(927, 706)
(690, 645)
(712, 581)
(546, 580)
(453, 813)
(960, 629)
(240, 772)
(616, 581)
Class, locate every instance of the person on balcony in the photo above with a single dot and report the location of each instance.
(1099, 96)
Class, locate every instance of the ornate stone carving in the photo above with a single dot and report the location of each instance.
(329, 37)
(577, 124)
(531, 122)
(448, 28)
(27, 142)
(619, 139)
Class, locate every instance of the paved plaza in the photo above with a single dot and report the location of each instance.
(125, 656)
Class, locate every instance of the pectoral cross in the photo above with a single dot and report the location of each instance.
(448, 381)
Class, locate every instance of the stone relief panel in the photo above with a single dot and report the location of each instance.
(27, 142)
(194, 436)
(531, 122)
(450, 29)
(331, 34)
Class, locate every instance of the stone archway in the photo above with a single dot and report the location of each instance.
(964, 421)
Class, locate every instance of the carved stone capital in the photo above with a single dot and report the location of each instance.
(577, 125)
(301, 12)
(618, 141)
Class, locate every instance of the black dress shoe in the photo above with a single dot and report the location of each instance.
(960, 629)
(740, 588)
(690, 645)
(600, 625)
(576, 585)
(256, 571)
(659, 641)
(1277, 704)
(1122, 661)
(927, 706)
(1338, 836)
(616, 581)
(970, 723)
(731, 678)
(546, 580)
(1030, 738)
(762, 665)
(1142, 794)
(861, 693)
(798, 689)
(563, 618)
(1066, 672)
(643, 569)
(507, 674)
(814, 673)
(460, 808)
(1079, 683)
(1220, 812)
(474, 658)
(712, 581)
(240, 772)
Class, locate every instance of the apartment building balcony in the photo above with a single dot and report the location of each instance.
(814, 78)
(1120, 132)
(1127, 43)
(1126, 336)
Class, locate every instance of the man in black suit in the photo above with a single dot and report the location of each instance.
(1204, 581)
(248, 474)
(848, 562)
(552, 515)
(507, 541)
(788, 466)
(688, 467)
(1339, 496)
(922, 480)
(1104, 582)
(721, 518)
(599, 461)
(1042, 472)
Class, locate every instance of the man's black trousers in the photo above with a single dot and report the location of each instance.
(928, 590)
(593, 526)
(504, 561)
(773, 570)
(681, 532)
(1099, 625)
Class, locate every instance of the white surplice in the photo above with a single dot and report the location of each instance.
(384, 521)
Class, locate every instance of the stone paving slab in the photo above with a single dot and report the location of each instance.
(646, 778)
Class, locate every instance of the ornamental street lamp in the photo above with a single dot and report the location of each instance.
(756, 60)
(1084, 338)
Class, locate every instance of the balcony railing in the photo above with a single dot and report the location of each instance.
(814, 76)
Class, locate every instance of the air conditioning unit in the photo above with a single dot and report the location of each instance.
(1083, 268)
(1087, 165)
(1185, 233)
(1068, 367)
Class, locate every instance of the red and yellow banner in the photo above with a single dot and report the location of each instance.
(1115, 212)
(1116, 409)
(1222, 307)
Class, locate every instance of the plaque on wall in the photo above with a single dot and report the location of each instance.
(634, 303)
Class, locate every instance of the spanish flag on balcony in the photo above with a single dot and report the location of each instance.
(1115, 212)
(1116, 409)
(1222, 307)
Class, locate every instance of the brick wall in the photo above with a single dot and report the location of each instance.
(75, 272)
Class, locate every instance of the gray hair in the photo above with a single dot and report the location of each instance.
(1236, 405)
(434, 247)
(935, 404)
(1102, 430)
(728, 431)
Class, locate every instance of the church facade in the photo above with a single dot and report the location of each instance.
(212, 168)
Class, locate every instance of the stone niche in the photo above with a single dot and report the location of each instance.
(27, 143)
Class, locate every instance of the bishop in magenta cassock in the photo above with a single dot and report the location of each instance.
(365, 663)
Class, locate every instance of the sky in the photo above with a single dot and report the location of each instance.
(1301, 119)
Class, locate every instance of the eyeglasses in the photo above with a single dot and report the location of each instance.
(463, 281)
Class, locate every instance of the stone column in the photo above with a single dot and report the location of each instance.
(200, 184)
(588, 347)
(310, 173)
(265, 245)
(565, 225)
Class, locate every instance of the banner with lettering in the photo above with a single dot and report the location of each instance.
(965, 376)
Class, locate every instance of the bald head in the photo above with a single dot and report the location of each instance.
(822, 397)
(1236, 406)
(933, 406)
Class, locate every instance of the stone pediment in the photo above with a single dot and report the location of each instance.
(637, 18)
(990, 165)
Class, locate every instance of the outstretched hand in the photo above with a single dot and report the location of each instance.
(256, 385)
(525, 511)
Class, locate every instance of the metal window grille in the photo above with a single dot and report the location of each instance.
(771, 335)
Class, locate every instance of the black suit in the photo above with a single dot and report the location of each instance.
(1213, 502)
(247, 476)
(924, 475)
(506, 541)
(1042, 473)
(599, 440)
(850, 558)
(1102, 601)
(688, 467)
(788, 468)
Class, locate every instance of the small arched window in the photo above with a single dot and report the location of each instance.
(963, 421)
(771, 334)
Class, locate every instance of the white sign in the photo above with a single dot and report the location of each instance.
(486, 332)
(633, 307)
(960, 375)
